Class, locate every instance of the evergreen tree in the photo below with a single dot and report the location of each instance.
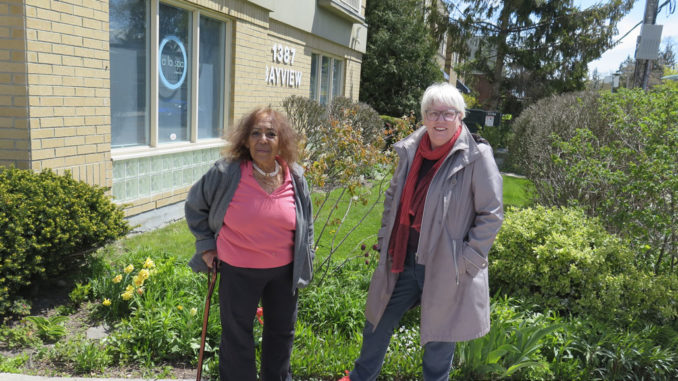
(400, 59)
(530, 49)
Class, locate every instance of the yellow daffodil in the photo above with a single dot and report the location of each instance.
(127, 295)
(129, 288)
(117, 279)
(180, 308)
(149, 264)
(106, 302)
(129, 269)
(144, 274)
(138, 281)
(194, 311)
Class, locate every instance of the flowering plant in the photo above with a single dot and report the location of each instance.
(119, 293)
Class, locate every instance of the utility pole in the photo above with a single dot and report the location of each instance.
(641, 73)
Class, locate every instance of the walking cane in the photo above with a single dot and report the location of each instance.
(212, 280)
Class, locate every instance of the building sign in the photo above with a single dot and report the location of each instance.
(172, 64)
(281, 75)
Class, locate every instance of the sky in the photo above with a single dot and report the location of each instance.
(609, 62)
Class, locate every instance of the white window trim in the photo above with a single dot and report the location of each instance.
(318, 83)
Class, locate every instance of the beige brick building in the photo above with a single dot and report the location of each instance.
(135, 94)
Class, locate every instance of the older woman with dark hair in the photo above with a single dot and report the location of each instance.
(442, 212)
(251, 216)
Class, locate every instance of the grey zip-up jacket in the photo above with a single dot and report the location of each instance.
(208, 201)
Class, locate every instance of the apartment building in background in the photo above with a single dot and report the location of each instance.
(135, 94)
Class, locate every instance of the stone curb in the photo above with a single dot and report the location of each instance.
(22, 377)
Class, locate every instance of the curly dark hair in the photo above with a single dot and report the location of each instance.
(237, 137)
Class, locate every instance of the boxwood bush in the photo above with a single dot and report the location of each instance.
(561, 259)
(48, 224)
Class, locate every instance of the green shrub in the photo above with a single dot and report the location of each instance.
(48, 225)
(318, 125)
(309, 119)
(359, 115)
(537, 127)
(613, 154)
(565, 261)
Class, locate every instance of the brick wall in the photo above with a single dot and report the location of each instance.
(68, 87)
(253, 54)
(14, 133)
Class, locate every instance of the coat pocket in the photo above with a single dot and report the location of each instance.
(472, 261)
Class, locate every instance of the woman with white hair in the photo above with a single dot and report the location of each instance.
(442, 212)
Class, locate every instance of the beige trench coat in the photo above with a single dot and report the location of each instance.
(462, 214)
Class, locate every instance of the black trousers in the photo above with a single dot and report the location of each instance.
(240, 290)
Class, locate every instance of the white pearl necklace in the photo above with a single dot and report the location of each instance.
(271, 174)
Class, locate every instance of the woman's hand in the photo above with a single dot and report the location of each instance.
(209, 256)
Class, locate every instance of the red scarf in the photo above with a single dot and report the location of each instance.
(413, 198)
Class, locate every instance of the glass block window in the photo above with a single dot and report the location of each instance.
(147, 176)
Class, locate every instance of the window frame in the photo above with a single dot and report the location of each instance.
(317, 57)
(155, 147)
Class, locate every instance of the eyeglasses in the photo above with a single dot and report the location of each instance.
(448, 115)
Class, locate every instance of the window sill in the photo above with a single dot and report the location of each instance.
(118, 154)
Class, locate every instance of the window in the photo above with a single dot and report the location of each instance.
(129, 72)
(326, 78)
(166, 86)
(211, 74)
(173, 68)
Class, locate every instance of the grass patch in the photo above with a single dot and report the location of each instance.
(174, 239)
(346, 225)
(343, 224)
(518, 192)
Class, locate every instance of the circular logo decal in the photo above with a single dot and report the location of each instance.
(172, 62)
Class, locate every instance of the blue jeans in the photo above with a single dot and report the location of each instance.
(438, 355)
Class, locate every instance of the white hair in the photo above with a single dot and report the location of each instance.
(443, 93)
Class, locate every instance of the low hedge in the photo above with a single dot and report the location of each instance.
(563, 260)
(48, 224)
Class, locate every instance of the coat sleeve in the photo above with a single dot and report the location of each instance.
(197, 211)
(488, 204)
(308, 206)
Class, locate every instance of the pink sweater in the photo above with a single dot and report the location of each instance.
(258, 230)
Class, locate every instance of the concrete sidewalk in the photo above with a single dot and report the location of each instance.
(22, 377)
